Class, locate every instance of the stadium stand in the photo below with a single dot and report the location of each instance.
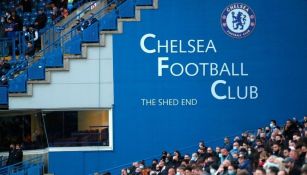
(61, 41)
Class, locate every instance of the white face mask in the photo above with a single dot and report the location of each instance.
(231, 172)
(212, 171)
(271, 125)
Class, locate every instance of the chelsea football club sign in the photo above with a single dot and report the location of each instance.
(238, 20)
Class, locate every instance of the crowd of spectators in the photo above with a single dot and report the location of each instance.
(273, 150)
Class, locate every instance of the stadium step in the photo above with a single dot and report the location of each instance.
(117, 28)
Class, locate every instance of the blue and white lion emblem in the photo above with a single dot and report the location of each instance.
(238, 20)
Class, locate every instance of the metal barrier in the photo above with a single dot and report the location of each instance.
(32, 166)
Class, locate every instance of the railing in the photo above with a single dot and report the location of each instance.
(50, 33)
(58, 44)
(3, 161)
(13, 45)
(32, 166)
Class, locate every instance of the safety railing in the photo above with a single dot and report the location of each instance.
(50, 33)
(33, 166)
(57, 46)
(69, 42)
(13, 46)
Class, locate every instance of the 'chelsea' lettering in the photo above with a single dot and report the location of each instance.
(150, 44)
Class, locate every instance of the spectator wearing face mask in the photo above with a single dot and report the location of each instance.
(232, 170)
(235, 148)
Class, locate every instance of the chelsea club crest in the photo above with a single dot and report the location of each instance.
(238, 20)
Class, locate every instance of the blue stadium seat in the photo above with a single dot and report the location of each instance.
(109, 21)
(37, 70)
(91, 33)
(35, 170)
(144, 2)
(3, 95)
(18, 84)
(54, 58)
(127, 9)
(73, 46)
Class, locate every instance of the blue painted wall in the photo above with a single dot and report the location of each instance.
(274, 56)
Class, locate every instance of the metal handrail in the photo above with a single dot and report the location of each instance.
(60, 41)
(21, 165)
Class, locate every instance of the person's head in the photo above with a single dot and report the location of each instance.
(40, 11)
(278, 138)
(224, 152)
(209, 150)
(201, 150)
(231, 170)
(286, 152)
(30, 45)
(267, 129)
(275, 147)
(181, 170)
(201, 144)
(9, 20)
(177, 153)
(259, 171)
(262, 135)
(289, 122)
(260, 148)
(188, 170)
(12, 146)
(272, 170)
(217, 149)
(242, 172)
(171, 171)
(226, 140)
(124, 172)
(161, 163)
(282, 172)
(155, 161)
(293, 154)
(241, 158)
(187, 157)
(235, 145)
(236, 139)
(194, 156)
(158, 168)
(197, 170)
(288, 162)
(273, 123)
